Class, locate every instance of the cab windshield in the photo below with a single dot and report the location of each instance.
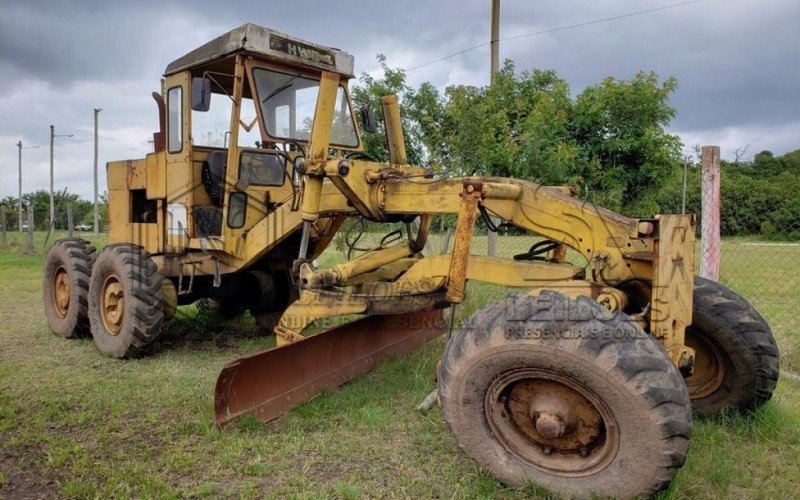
(288, 101)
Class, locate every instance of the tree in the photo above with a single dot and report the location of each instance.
(511, 128)
(620, 126)
(610, 140)
(368, 93)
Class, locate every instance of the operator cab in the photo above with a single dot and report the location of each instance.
(238, 113)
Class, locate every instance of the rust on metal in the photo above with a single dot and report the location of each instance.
(465, 227)
(709, 366)
(551, 421)
(270, 383)
(673, 286)
(394, 130)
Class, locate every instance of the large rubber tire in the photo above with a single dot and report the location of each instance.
(737, 360)
(126, 303)
(278, 292)
(68, 267)
(623, 372)
(267, 321)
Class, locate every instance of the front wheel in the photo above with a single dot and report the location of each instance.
(736, 358)
(565, 394)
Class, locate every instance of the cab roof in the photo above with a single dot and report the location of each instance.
(269, 44)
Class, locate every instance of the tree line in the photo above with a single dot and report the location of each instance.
(82, 210)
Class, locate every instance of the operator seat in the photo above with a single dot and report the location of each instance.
(213, 175)
(208, 219)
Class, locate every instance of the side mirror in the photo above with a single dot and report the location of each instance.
(201, 94)
(368, 123)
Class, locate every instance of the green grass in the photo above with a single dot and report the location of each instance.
(76, 424)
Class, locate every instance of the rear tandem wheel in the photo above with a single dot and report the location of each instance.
(126, 301)
(566, 394)
(65, 286)
(737, 361)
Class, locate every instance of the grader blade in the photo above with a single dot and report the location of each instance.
(270, 383)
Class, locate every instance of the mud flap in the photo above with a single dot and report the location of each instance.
(270, 383)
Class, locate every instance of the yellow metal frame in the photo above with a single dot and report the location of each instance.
(658, 253)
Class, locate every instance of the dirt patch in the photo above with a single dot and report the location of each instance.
(24, 477)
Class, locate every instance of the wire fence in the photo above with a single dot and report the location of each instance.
(758, 266)
(30, 230)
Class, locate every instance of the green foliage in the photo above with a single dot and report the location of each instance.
(368, 95)
(756, 204)
(760, 197)
(609, 140)
(620, 125)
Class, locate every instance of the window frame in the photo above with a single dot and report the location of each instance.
(264, 152)
(170, 121)
(251, 65)
(237, 194)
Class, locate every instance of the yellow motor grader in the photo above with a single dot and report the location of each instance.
(583, 381)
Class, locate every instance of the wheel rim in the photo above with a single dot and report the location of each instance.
(551, 422)
(61, 292)
(709, 366)
(112, 304)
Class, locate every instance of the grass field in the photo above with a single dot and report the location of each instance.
(76, 424)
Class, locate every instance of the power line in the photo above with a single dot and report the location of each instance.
(560, 28)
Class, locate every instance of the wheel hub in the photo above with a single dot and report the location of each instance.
(549, 426)
(551, 422)
(61, 292)
(709, 366)
(112, 304)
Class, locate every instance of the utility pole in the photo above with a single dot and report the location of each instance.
(495, 41)
(96, 209)
(19, 204)
(491, 237)
(52, 196)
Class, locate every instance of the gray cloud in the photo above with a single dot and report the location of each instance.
(736, 62)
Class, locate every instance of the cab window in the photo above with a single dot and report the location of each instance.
(175, 120)
(288, 102)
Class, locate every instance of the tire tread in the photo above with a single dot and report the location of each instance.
(643, 366)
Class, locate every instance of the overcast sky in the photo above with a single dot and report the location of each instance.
(737, 62)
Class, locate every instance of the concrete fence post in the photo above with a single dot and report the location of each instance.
(491, 241)
(30, 228)
(446, 240)
(710, 219)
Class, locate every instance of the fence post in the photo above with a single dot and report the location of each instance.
(70, 224)
(710, 219)
(30, 228)
(3, 223)
(446, 240)
(491, 241)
